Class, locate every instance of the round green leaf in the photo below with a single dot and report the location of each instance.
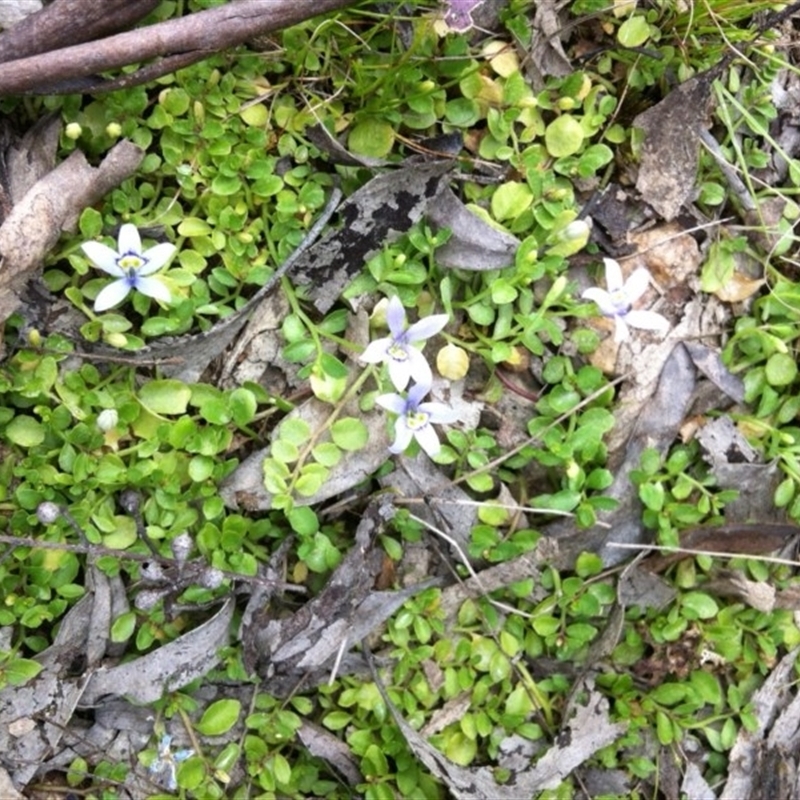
(510, 200)
(349, 433)
(372, 137)
(634, 32)
(256, 115)
(243, 405)
(25, 431)
(563, 136)
(295, 430)
(219, 717)
(781, 369)
(327, 454)
(165, 396)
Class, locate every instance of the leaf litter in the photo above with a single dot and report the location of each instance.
(328, 635)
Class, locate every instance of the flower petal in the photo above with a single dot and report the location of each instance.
(614, 280)
(428, 440)
(154, 288)
(439, 412)
(603, 299)
(129, 240)
(399, 372)
(103, 257)
(392, 402)
(418, 367)
(396, 317)
(156, 257)
(637, 284)
(402, 436)
(111, 295)
(621, 332)
(427, 327)
(416, 393)
(648, 321)
(376, 351)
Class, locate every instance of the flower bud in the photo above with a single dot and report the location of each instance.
(114, 130)
(452, 362)
(107, 419)
(73, 131)
(48, 513)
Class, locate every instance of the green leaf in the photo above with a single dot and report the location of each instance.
(25, 431)
(510, 200)
(243, 405)
(372, 137)
(781, 369)
(634, 32)
(165, 396)
(219, 717)
(349, 433)
(327, 454)
(191, 773)
(91, 223)
(699, 605)
(707, 686)
(123, 627)
(652, 495)
(311, 480)
(123, 535)
(21, 670)
(664, 729)
(256, 115)
(194, 226)
(303, 521)
(564, 136)
(295, 430)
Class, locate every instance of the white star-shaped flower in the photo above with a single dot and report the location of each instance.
(617, 299)
(398, 351)
(131, 266)
(415, 419)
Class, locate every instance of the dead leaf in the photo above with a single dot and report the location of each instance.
(244, 487)
(670, 152)
(474, 243)
(147, 678)
(377, 214)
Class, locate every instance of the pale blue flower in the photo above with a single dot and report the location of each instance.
(131, 266)
(415, 419)
(398, 351)
(616, 301)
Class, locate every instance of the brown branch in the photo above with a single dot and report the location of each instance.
(211, 30)
(69, 22)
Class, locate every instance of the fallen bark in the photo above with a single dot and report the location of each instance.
(177, 42)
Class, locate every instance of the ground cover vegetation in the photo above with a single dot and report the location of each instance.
(574, 434)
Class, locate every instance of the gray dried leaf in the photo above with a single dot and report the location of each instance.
(670, 152)
(172, 666)
(709, 362)
(474, 243)
(244, 487)
(376, 215)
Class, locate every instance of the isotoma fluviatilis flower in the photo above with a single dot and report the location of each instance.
(131, 265)
(617, 299)
(415, 419)
(398, 351)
